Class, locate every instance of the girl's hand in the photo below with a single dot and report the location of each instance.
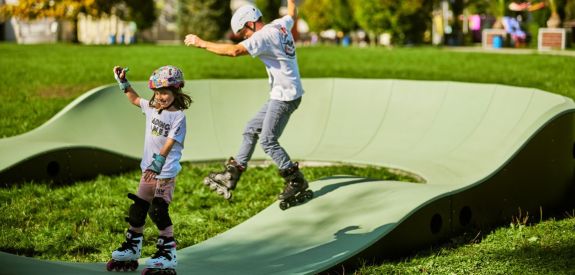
(149, 175)
(155, 168)
(120, 74)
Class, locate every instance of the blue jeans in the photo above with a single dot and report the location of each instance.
(268, 125)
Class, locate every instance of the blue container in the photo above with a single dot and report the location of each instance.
(497, 42)
(112, 39)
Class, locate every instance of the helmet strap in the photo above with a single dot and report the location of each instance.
(253, 27)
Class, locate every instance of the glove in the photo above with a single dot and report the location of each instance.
(120, 76)
(157, 164)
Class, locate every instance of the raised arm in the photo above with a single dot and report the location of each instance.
(132, 96)
(292, 9)
(120, 76)
(224, 49)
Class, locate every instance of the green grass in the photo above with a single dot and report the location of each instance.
(544, 248)
(84, 221)
(40, 80)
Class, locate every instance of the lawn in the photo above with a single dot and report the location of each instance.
(45, 78)
(47, 221)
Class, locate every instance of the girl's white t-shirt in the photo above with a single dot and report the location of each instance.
(274, 45)
(160, 127)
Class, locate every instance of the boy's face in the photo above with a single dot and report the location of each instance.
(163, 97)
(246, 32)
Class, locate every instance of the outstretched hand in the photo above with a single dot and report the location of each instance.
(120, 74)
(194, 40)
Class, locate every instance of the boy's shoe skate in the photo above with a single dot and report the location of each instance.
(126, 256)
(163, 262)
(225, 181)
(296, 188)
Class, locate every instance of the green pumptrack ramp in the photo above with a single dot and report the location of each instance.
(483, 151)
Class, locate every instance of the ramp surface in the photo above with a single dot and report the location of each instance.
(483, 150)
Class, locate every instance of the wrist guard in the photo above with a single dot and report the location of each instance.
(157, 164)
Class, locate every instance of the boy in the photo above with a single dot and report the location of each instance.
(273, 44)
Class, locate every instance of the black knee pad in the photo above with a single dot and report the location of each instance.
(138, 210)
(159, 213)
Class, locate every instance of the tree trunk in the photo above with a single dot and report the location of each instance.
(75, 39)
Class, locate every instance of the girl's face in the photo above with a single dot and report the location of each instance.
(163, 98)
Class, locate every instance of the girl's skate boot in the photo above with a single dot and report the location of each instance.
(225, 181)
(295, 189)
(163, 262)
(126, 256)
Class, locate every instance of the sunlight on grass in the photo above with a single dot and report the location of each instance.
(85, 221)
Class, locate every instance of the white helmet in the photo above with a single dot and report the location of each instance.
(243, 15)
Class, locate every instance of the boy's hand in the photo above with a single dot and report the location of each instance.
(194, 40)
(120, 76)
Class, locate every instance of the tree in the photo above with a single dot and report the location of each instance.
(141, 11)
(210, 19)
(415, 23)
(59, 9)
(316, 14)
(395, 17)
(328, 14)
(269, 8)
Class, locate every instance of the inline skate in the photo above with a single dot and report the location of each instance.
(125, 258)
(225, 181)
(295, 189)
(163, 262)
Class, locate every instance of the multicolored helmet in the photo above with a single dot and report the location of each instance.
(166, 76)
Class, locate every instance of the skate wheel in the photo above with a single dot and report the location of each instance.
(134, 265)
(309, 195)
(110, 265)
(228, 195)
(300, 199)
(284, 205)
(206, 181)
(146, 271)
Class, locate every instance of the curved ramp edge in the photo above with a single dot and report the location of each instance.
(483, 149)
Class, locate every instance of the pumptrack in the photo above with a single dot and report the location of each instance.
(483, 151)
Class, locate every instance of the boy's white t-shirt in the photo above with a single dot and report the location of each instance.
(160, 127)
(275, 46)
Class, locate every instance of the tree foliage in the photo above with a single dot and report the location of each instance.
(209, 19)
(371, 15)
(414, 23)
(141, 11)
(395, 17)
(60, 9)
(328, 14)
(269, 8)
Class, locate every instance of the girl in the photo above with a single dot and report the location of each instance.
(163, 144)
